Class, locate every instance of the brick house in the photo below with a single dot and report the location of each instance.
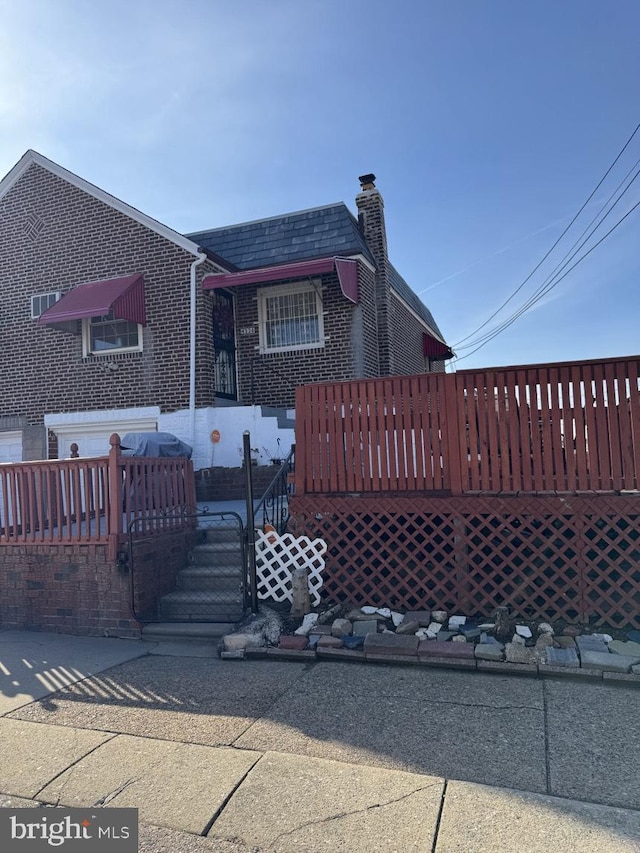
(112, 321)
(316, 298)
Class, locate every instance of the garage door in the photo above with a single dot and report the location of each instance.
(93, 438)
(11, 446)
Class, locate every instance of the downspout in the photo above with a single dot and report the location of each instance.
(192, 350)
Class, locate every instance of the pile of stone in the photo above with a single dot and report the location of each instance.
(379, 634)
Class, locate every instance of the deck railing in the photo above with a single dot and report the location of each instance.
(545, 427)
(93, 501)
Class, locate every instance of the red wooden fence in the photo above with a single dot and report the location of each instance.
(92, 501)
(548, 427)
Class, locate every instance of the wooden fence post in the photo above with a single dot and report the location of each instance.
(114, 497)
(454, 426)
(303, 454)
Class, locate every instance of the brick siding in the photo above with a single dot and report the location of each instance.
(81, 239)
(54, 236)
(406, 341)
(70, 589)
(271, 378)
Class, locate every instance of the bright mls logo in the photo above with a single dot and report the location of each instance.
(102, 830)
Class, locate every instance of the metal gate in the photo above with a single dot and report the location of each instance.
(204, 580)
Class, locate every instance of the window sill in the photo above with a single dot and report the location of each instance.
(111, 356)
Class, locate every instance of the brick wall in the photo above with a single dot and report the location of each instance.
(229, 484)
(270, 379)
(78, 239)
(406, 356)
(369, 359)
(75, 589)
(70, 589)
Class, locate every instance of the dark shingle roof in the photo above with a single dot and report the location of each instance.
(316, 233)
(404, 292)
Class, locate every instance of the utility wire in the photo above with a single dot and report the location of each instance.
(543, 259)
(573, 251)
(564, 275)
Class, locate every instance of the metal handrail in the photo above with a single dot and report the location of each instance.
(274, 504)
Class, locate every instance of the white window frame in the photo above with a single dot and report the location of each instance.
(86, 340)
(51, 297)
(266, 293)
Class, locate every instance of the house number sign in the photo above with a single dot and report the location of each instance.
(247, 330)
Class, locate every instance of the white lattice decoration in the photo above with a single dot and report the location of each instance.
(277, 557)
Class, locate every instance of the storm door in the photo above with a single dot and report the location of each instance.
(224, 345)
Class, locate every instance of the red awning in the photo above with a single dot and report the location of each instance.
(124, 296)
(434, 348)
(346, 268)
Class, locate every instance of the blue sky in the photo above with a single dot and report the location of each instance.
(487, 123)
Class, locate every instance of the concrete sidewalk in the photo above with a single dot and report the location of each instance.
(259, 755)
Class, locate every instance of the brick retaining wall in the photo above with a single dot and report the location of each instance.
(229, 484)
(75, 589)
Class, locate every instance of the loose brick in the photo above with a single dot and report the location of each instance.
(390, 644)
(435, 648)
(287, 641)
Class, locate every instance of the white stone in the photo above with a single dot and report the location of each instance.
(545, 628)
(434, 627)
(459, 638)
(456, 621)
(518, 640)
(369, 610)
(523, 631)
(439, 615)
(387, 631)
(235, 642)
(487, 626)
(384, 611)
(429, 635)
(398, 618)
(308, 622)
(606, 638)
(423, 634)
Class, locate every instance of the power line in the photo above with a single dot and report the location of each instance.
(543, 259)
(568, 257)
(595, 245)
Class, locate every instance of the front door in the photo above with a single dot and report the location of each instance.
(224, 345)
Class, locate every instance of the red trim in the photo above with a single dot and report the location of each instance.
(125, 296)
(347, 269)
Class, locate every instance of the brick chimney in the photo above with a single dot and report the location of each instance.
(371, 219)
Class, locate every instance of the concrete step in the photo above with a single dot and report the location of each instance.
(211, 534)
(205, 556)
(201, 631)
(187, 606)
(209, 579)
(283, 419)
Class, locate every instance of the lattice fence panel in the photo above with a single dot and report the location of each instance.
(277, 557)
(612, 575)
(569, 557)
(528, 563)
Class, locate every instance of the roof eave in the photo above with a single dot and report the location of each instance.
(33, 157)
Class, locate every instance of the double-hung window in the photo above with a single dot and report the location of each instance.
(291, 317)
(108, 334)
